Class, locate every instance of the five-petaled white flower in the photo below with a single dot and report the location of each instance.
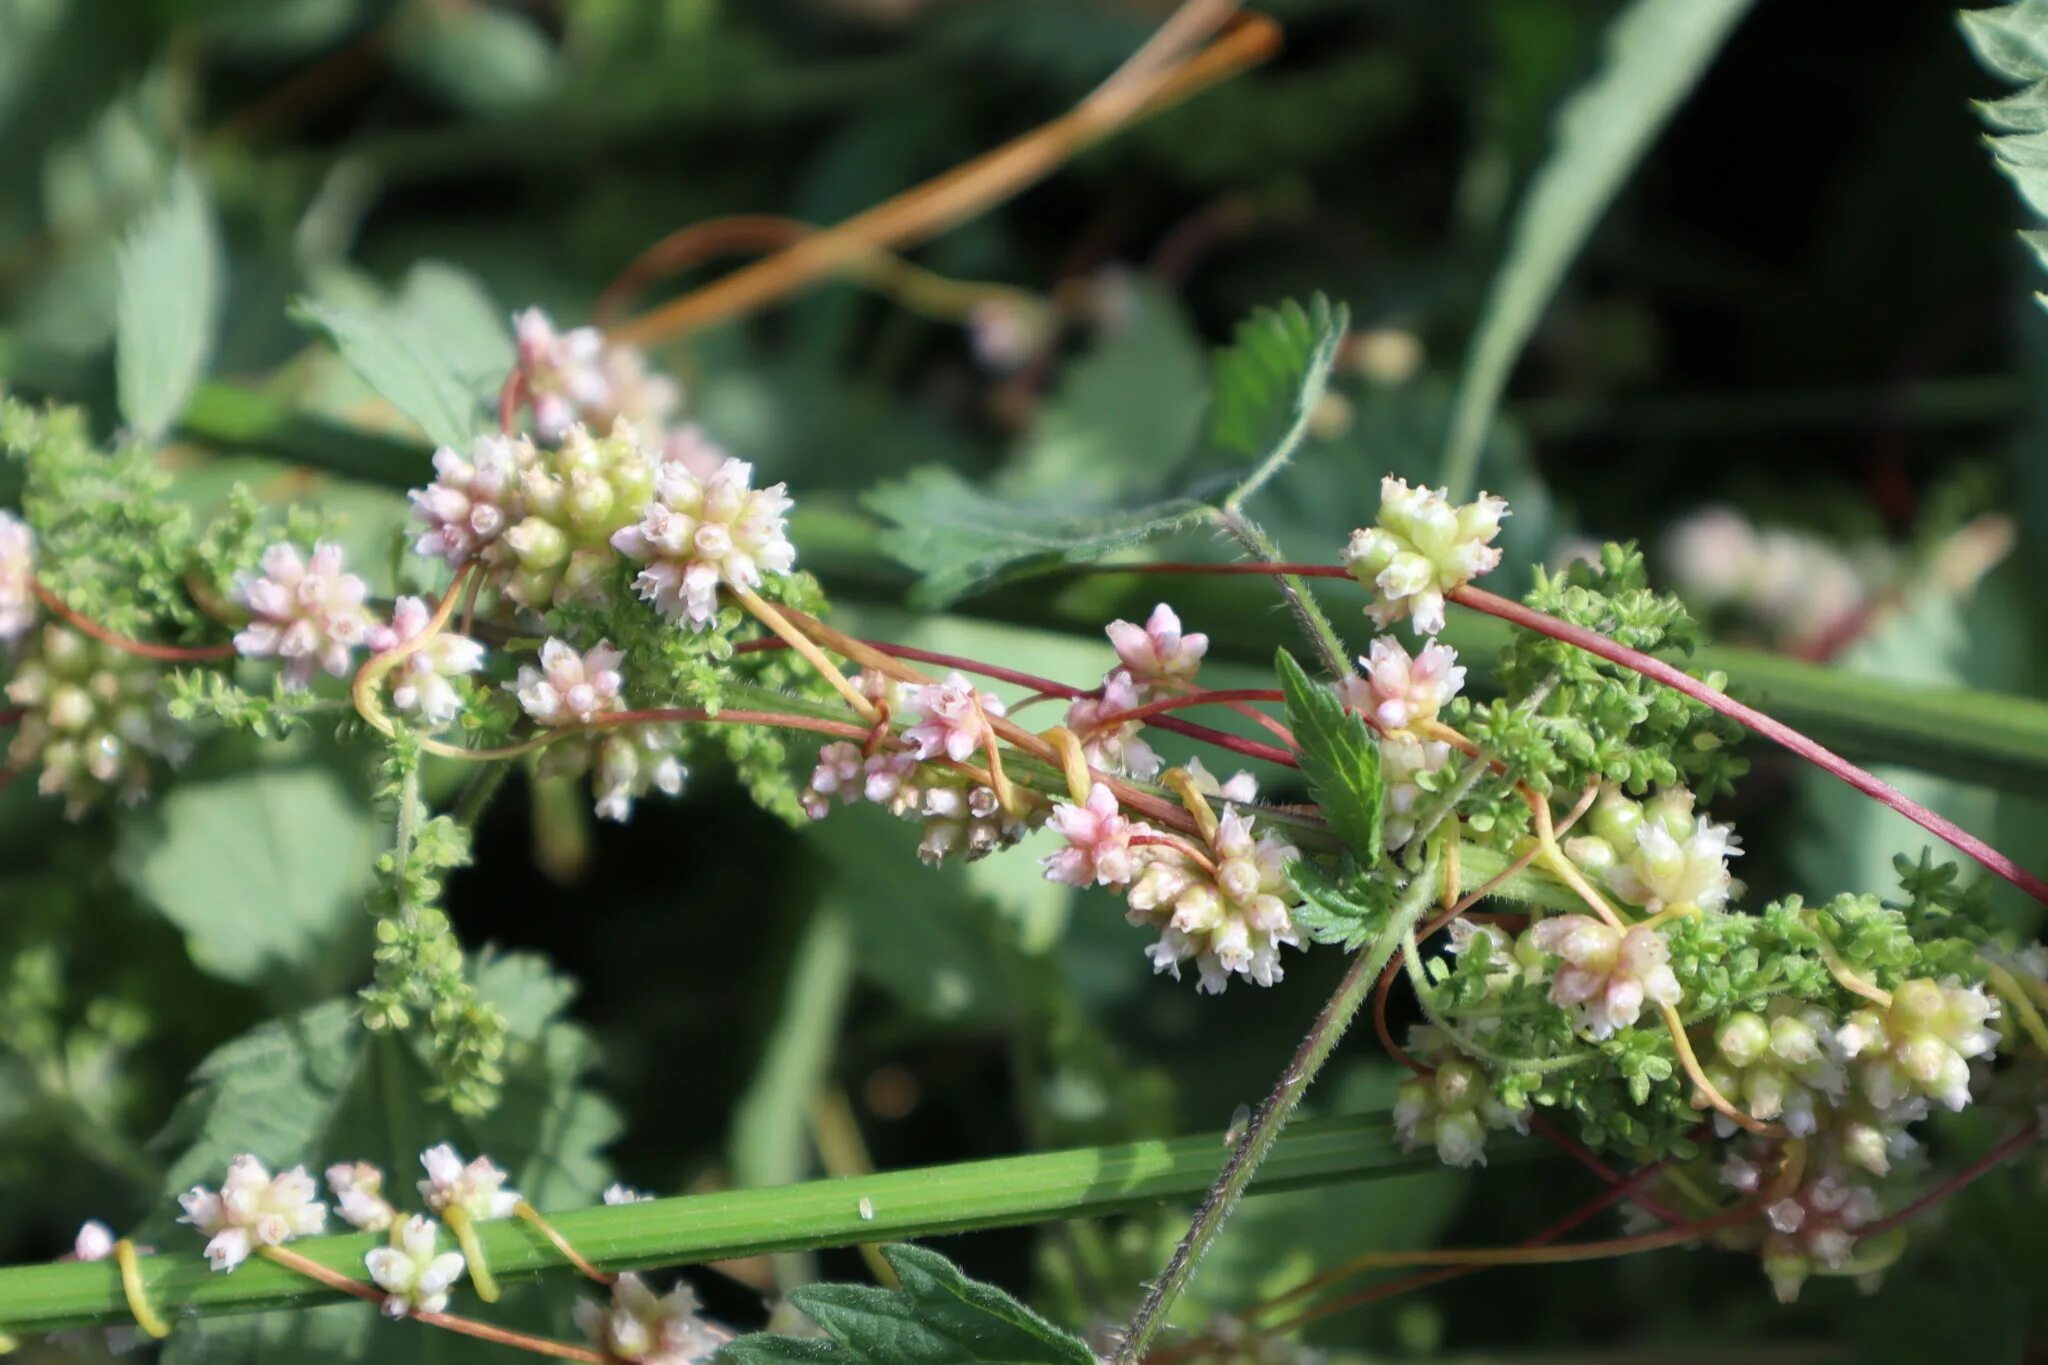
(952, 719)
(570, 688)
(1422, 548)
(478, 1188)
(415, 1277)
(699, 533)
(252, 1209)
(422, 681)
(1157, 652)
(17, 574)
(309, 612)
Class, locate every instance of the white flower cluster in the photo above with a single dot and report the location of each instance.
(699, 534)
(17, 578)
(1922, 1045)
(1801, 590)
(569, 688)
(962, 819)
(253, 1208)
(1421, 548)
(1454, 1107)
(1814, 1226)
(477, 1187)
(307, 611)
(423, 682)
(1227, 912)
(1158, 659)
(1658, 854)
(413, 1272)
(651, 1329)
(1779, 1066)
(577, 377)
(1607, 974)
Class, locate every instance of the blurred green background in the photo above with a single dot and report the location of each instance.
(1808, 304)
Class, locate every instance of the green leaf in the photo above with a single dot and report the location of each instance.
(438, 352)
(478, 57)
(1655, 52)
(1268, 381)
(1339, 757)
(2012, 42)
(938, 1317)
(1337, 910)
(1122, 417)
(261, 869)
(167, 306)
(963, 539)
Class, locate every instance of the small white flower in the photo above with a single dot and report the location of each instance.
(1453, 1108)
(1114, 746)
(952, 719)
(1607, 973)
(570, 688)
(1157, 652)
(563, 372)
(309, 612)
(472, 502)
(422, 681)
(1422, 548)
(633, 762)
(1406, 766)
(478, 1188)
(1659, 854)
(1242, 789)
(700, 533)
(1098, 848)
(649, 1329)
(963, 821)
(1778, 1066)
(17, 572)
(616, 1193)
(359, 1196)
(414, 1278)
(95, 1242)
(1399, 691)
(253, 1209)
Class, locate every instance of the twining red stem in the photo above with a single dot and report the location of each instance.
(1478, 599)
(1181, 702)
(140, 648)
(1492, 604)
(509, 399)
(2005, 1151)
(1236, 744)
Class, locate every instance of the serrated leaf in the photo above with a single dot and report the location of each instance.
(1331, 911)
(938, 1317)
(963, 539)
(438, 352)
(1122, 417)
(1655, 52)
(2012, 42)
(1267, 382)
(261, 870)
(1340, 759)
(167, 306)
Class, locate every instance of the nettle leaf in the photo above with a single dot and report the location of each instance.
(938, 1317)
(1340, 759)
(1123, 416)
(438, 352)
(1656, 51)
(1267, 382)
(262, 869)
(2012, 41)
(963, 539)
(1342, 910)
(167, 305)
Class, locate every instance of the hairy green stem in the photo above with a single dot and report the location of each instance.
(1308, 613)
(1264, 1131)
